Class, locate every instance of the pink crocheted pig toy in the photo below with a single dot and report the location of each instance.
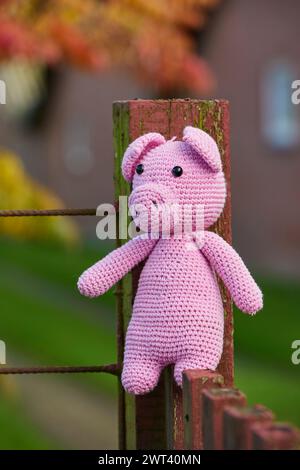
(177, 314)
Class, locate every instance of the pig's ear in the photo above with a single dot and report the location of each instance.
(137, 149)
(204, 145)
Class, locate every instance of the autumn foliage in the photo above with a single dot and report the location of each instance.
(155, 39)
(18, 189)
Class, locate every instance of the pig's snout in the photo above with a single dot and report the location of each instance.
(148, 196)
(148, 205)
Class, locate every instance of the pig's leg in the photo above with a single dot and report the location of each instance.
(140, 375)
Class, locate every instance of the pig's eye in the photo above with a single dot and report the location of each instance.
(177, 171)
(139, 169)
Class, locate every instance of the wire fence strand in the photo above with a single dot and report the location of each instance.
(47, 212)
(108, 369)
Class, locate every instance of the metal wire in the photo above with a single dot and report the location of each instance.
(108, 369)
(48, 212)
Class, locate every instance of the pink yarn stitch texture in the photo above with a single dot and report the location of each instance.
(177, 314)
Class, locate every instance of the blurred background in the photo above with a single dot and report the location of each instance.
(64, 62)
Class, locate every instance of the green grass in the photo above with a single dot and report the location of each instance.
(270, 386)
(46, 320)
(54, 263)
(269, 334)
(263, 366)
(17, 430)
(44, 316)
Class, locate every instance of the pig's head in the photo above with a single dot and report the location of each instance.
(174, 174)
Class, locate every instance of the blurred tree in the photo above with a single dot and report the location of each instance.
(154, 39)
(18, 190)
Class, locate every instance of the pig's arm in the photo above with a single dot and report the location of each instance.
(232, 270)
(105, 273)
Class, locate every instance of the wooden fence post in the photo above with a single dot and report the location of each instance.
(194, 384)
(238, 422)
(150, 422)
(275, 436)
(214, 402)
(174, 411)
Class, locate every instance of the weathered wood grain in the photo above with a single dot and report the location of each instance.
(275, 436)
(214, 402)
(238, 422)
(194, 384)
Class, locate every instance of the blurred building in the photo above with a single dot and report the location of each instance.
(253, 50)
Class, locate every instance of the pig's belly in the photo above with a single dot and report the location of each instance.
(178, 309)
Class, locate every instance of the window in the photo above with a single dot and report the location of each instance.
(280, 117)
